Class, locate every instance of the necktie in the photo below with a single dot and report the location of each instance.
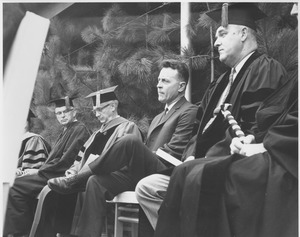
(166, 110)
(163, 115)
(227, 89)
(221, 100)
(102, 128)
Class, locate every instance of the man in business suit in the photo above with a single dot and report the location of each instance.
(250, 80)
(134, 160)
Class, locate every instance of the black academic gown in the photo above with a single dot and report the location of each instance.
(259, 77)
(260, 197)
(261, 191)
(22, 195)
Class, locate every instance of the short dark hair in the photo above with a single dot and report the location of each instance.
(181, 67)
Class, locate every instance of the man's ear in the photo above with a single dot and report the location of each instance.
(74, 112)
(114, 108)
(244, 33)
(182, 86)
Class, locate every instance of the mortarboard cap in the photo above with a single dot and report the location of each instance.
(238, 14)
(103, 95)
(64, 101)
(30, 115)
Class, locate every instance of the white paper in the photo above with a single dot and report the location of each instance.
(166, 156)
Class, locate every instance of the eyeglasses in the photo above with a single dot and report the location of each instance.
(100, 109)
(60, 113)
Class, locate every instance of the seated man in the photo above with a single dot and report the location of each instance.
(113, 127)
(22, 195)
(169, 130)
(34, 149)
(254, 77)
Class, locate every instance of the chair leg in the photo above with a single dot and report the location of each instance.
(134, 230)
(118, 224)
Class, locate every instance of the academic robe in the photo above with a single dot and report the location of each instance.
(22, 195)
(65, 151)
(34, 151)
(107, 136)
(259, 77)
(261, 191)
(55, 211)
(237, 195)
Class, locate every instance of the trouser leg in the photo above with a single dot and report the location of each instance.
(168, 224)
(150, 193)
(131, 152)
(91, 205)
(21, 202)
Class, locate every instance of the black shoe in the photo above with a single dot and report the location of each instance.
(67, 185)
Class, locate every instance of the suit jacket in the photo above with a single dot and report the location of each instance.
(174, 130)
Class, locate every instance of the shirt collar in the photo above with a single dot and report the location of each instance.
(172, 104)
(239, 66)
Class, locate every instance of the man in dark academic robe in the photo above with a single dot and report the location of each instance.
(254, 75)
(22, 195)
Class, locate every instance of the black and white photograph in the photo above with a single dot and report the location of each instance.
(149, 119)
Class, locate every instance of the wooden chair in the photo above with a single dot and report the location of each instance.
(126, 211)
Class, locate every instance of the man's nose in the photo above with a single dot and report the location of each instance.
(217, 43)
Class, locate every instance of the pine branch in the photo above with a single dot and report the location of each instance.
(41, 95)
(53, 47)
(132, 33)
(205, 22)
(90, 34)
(141, 67)
(157, 37)
(199, 62)
(112, 18)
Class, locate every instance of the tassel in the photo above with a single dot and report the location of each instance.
(98, 102)
(224, 21)
(67, 102)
